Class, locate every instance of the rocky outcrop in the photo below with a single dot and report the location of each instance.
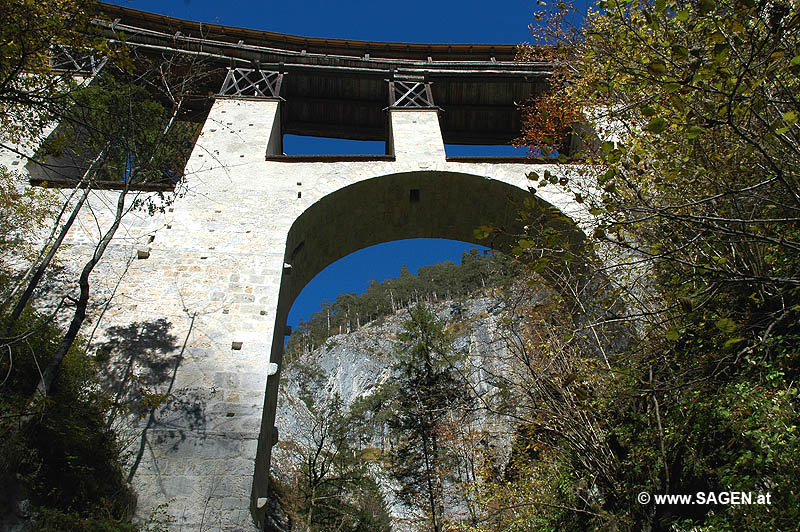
(353, 366)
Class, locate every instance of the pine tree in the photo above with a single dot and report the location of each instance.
(427, 389)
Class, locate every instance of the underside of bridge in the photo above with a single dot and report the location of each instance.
(338, 88)
(422, 204)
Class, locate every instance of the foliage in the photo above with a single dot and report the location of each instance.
(64, 460)
(692, 187)
(22, 211)
(328, 485)
(425, 393)
(57, 449)
(119, 128)
(30, 92)
(120, 121)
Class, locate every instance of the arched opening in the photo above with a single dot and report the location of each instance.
(424, 204)
(375, 282)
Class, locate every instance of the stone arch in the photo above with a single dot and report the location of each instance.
(422, 204)
(417, 204)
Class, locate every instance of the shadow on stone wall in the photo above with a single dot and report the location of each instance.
(142, 361)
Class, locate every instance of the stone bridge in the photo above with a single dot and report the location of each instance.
(206, 287)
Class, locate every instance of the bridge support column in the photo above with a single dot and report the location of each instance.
(414, 134)
(214, 265)
(415, 140)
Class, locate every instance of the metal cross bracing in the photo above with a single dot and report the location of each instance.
(252, 83)
(413, 94)
(65, 60)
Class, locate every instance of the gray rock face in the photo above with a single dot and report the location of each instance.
(354, 365)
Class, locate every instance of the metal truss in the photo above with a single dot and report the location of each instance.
(66, 60)
(252, 83)
(414, 94)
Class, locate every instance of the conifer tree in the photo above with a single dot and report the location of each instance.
(427, 390)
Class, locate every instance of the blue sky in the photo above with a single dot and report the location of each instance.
(353, 272)
(453, 21)
(448, 21)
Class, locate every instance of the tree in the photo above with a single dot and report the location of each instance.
(23, 211)
(65, 465)
(133, 139)
(34, 36)
(31, 94)
(116, 132)
(123, 126)
(553, 459)
(427, 390)
(327, 482)
(699, 103)
(110, 128)
(692, 181)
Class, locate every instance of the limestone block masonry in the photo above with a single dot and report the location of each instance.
(214, 276)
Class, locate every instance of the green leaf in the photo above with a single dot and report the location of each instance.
(795, 60)
(648, 111)
(657, 67)
(726, 325)
(705, 6)
(540, 265)
(721, 51)
(673, 335)
(790, 117)
(661, 6)
(732, 342)
(694, 131)
(656, 125)
(682, 15)
(608, 174)
(607, 146)
(679, 51)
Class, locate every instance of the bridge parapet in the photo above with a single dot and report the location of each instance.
(338, 88)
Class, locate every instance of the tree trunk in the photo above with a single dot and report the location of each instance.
(37, 276)
(429, 480)
(39, 273)
(50, 372)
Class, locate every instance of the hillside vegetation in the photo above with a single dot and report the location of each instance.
(688, 116)
(432, 283)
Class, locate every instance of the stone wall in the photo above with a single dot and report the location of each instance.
(201, 291)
